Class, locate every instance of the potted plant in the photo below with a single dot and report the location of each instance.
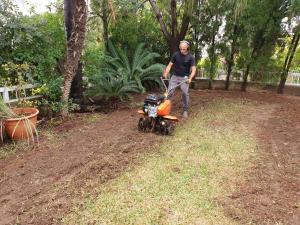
(19, 123)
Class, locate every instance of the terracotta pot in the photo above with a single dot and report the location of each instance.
(16, 130)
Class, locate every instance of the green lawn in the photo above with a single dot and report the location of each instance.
(182, 181)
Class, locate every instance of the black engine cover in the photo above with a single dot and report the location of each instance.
(154, 99)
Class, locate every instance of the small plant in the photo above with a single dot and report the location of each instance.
(53, 108)
(19, 75)
(52, 90)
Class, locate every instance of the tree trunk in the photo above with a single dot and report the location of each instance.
(230, 62)
(77, 88)
(105, 30)
(76, 91)
(212, 63)
(69, 8)
(229, 70)
(288, 61)
(74, 49)
(209, 84)
(245, 78)
(281, 85)
(174, 47)
(196, 60)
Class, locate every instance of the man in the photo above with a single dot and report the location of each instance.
(183, 62)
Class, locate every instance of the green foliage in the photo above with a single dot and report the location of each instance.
(17, 73)
(38, 40)
(137, 23)
(111, 87)
(210, 15)
(52, 90)
(295, 66)
(261, 26)
(53, 108)
(92, 55)
(117, 64)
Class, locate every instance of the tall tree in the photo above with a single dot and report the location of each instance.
(263, 28)
(289, 58)
(196, 34)
(75, 30)
(232, 35)
(169, 26)
(293, 21)
(104, 10)
(213, 13)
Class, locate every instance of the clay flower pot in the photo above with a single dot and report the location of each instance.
(19, 128)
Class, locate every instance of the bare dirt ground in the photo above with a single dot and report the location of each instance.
(37, 186)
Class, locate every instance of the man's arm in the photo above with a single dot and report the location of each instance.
(168, 69)
(193, 73)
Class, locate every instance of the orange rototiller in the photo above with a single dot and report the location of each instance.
(156, 112)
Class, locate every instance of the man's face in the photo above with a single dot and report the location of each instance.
(183, 48)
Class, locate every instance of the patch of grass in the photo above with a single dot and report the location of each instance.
(181, 181)
(93, 118)
(134, 104)
(11, 147)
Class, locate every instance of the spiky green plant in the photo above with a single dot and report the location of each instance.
(5, 111)
(117, 64)
(111, 87)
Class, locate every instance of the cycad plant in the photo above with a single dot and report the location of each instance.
(111, 87)
(117, 64)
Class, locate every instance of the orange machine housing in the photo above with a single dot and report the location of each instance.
(164, 108)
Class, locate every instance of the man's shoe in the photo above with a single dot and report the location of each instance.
(184, 114)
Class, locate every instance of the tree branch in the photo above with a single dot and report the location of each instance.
(160, 20)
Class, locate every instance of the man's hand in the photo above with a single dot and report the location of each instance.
(190, 80)
(165, 75)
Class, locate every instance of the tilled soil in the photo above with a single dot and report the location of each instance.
(38, 186)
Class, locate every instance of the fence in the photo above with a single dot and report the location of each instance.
(6, 95)
(293, 78)
(221, 74)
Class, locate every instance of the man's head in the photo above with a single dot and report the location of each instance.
(184, 47)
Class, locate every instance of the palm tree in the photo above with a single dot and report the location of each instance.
(75, 22)
(117, 64)
(111, 87)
